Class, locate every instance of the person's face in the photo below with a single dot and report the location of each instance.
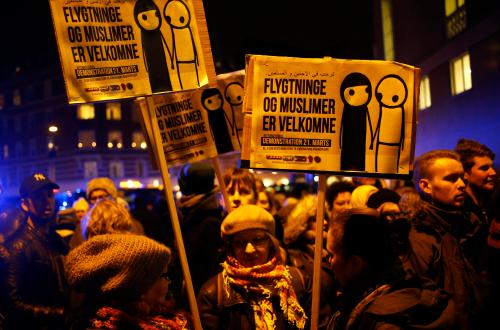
(79, 214)
(263, 201)
(341, 202)
(41, 203)
(96, 195)
(482, 175)
(240, 195)
(156, 294)
(445, 185)
(251, 247)
(342, 267)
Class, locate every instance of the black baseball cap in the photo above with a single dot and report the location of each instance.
(35, 182)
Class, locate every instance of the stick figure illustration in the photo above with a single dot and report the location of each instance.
(233, 93)
(213, 103)
(148, 19)
(355, 92)
(391, 93)
(184, 53)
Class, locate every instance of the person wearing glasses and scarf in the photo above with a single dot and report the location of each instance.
(124, 277)
(255, 290)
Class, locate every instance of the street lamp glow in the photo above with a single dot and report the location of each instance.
(53, 129)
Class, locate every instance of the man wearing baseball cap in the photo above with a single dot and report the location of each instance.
(34, 287)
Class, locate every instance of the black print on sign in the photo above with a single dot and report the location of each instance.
(356, 93)
(233, 94)
(178, 18)
(391, 93)
(148, 19)
(213, 103)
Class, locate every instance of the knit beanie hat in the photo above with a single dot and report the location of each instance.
(247, 217)
(102, 183)
(360, 195)
(196, 178)
(382, 196)
(81, 204)
(122, 265)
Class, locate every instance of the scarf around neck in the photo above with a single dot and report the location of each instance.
(261, 282)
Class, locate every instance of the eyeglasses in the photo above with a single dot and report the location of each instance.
(257, 242)
(96, 198)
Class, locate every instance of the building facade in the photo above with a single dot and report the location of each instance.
(72, 144)
(456, 43)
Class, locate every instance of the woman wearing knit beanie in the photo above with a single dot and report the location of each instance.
(124, 280)
(255, 290)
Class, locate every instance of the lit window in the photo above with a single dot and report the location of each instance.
(461, 74)
(114, 138)
(16, 97)
(113, 111)
(388, 36)
(452, 6)
(137, 139)
(86, 139)
(85, 111)
(424, 99)
(5, 151)
(456, 17)
(116, 169)
(90, 169)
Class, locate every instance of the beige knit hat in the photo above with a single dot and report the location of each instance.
(121, 265)
(247, 217)
(102, 183)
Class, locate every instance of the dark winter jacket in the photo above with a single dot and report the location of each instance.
(33, 286)
(437, 251)
(201, 221)
(405, 304)
(234, 312)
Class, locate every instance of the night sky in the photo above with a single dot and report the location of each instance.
(341, 29)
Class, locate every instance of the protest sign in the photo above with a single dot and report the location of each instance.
(329, 115)
(114, 49)
(223, 104)
(183, 129)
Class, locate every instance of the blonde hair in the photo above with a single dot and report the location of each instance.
(106, 217)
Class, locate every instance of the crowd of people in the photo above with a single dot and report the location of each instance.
(416, 254)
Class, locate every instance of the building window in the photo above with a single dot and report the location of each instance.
(86, 139)
(32, 147)
(424, 100)
(138, 140)
(5, 151)
(140, 169)
(85, 111)
(2, 101)
(116, 169)
(113, 111)
(461, 74)
(456, 17)
(90, 169)
(115, 139)
(17, 124)
(18, 149)
(16, 97)
(387, 32)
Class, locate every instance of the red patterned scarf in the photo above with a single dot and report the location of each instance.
(263, 281)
